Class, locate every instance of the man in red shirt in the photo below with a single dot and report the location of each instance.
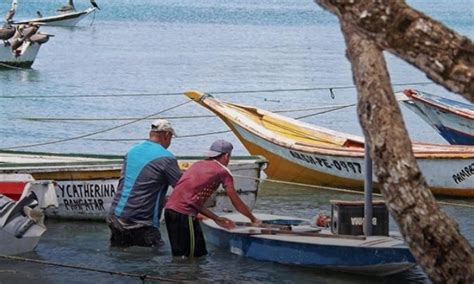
(196, 185)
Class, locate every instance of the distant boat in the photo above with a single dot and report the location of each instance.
(304, 153)
(452, 119)
(85, 183)
(20, 49)
(307, 246)
(21, 222)
(66, 19)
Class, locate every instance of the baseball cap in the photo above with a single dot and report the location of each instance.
(219, 147)
(162, 125)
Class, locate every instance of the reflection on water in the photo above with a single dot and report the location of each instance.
(20, 76)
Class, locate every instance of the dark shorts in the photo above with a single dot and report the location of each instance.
(185, 234)
(147, 236)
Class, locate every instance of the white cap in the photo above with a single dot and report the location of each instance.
(162, 125)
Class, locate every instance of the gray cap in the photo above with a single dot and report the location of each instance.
(219, 147)
(162, 125)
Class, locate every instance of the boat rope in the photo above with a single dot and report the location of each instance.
(329, 107)
(326, 111)
(211, 133)
(339, 189)
(93, 18)
(142, 277)
(330, 89)
(178, 137)
(96, 132)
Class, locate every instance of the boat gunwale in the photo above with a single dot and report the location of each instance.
(459, 153)
(421, 97)
(61, 17)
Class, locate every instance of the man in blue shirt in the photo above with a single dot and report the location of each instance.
(148, 169)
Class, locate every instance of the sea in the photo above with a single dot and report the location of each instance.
(95, 88)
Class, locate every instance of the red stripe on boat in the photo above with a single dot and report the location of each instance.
(12, 189)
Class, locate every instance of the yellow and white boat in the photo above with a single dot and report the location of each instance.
(304, 153)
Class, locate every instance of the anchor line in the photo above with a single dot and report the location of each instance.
(142, 277)
(328, 108)
(330, 89)
(340, 189)
(222, 131)
(178, 137)
(96, 132)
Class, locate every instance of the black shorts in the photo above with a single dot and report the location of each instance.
(185, 234)
(147, 236)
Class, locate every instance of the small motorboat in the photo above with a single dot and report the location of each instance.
(21, 221)
(294, 241)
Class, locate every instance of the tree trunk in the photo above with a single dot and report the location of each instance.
(442, 54)
(433, 237)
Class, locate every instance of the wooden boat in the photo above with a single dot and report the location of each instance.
(451, 119)
(21, 49)
(21, 222)
(69, 19)
(304, 153)
(86, 184)
(307, 246)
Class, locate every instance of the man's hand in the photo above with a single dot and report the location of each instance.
(256, 222)
(225, 223)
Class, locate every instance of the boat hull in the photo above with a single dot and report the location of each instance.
(62, 20)
(451, 177)
(85, 189)
(355, 256)
(19, 60)
(11, 245)
(452, 120)
(302, 153)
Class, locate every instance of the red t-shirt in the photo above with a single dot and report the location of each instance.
(196, 185)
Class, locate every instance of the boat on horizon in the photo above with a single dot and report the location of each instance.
(303, 153)
(304, 245)
(67, 16)
(86, 183)
(453, 120)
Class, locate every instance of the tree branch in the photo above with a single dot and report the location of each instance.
(433, 237)
(443, 55)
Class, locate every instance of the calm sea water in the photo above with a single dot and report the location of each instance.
(166, 47)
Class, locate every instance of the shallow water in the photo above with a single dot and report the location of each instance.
(139, 48)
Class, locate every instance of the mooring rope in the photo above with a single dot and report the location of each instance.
(95, 132)
(328, 107)
(142, 277)
(339, 189)
(178, 137)
(274, 91)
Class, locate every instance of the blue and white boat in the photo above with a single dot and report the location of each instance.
(452, 119)
(309, 246)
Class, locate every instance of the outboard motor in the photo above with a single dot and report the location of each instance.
(21, 222)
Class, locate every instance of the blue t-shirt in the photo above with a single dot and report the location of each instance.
(147, 172)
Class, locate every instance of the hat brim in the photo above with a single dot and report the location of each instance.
(212, 154)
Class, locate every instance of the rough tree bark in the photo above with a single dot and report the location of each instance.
(433, 237)
(445, 56)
